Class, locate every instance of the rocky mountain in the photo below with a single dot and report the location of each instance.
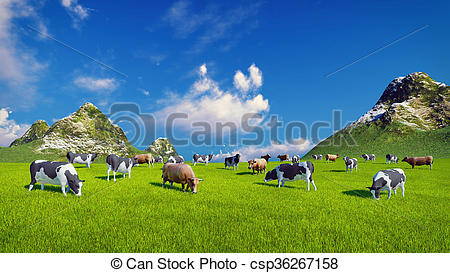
(36, 131)
(162, 147)
(411, 117)
(86, 130)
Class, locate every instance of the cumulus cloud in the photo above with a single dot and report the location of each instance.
(77, 12)
(274, 149)
(18, 65)
(9, 129)
(144, 91)
(248, 83)
(97, 84)
(206, 101)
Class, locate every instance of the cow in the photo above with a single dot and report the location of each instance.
(258, 164)
(283, 157)
(180, 173)
(202, 158)
(145, 158)
(158, 159)
(55, 173)
(388, 180)
(317, 157)
(330, 157)
(119, 164)
(175, 159)
(295, 159)
(266, 157)
(419, 161)
(368, 157)
(292, 172)
(81, 158)
(350, 163)
(232, 161)
(391, 158)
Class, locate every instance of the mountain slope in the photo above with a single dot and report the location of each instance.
(162, 147)
(36, 131)
(410, 118)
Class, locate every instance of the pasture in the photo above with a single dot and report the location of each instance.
(233, 211)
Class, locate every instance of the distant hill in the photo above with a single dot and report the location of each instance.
(411, 118)
(162, 147)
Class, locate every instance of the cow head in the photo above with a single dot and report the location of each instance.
(250, 164)
(193, 184)
(271, 175)
(375, 191)
(75, 184)
(134, 161)
(94, 156)
(404, 159)
(210, 157)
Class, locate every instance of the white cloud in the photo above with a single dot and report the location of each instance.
(252, 82)
(9, 129)
(250, 152)
(144, 91)
(205, 101)
(18, 66)
(77, 12)
(97, 84)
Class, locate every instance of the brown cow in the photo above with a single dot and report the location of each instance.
(257, 164)
(283, 157)
(145, 158)
(266, 157)
(180, 173)
(419, 161)
(330, 157)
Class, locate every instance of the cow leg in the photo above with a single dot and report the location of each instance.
(389, 194)
(42, 186)
(182, 187)
(195, 163)
(395, 191)
(279, 181)
(314, 185)
(108, 174)
(67, 188)
(413, 166)
(171, 184)
(129, 175)
(431, 166)
(30, 187)
(402, 186)
(63, 189)
(114, 173)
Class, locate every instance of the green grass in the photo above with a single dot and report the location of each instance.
(232, 212)
(394, 138)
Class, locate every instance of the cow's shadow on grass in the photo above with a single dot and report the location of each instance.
(275, 185)
(166, 186)
(244, 173)
(336, 171)
(111, 177)
(37, 187)
(358, 193)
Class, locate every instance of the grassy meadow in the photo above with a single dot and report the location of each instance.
(233, 211)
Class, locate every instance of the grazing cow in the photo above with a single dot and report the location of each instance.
(55, 173)
(258, 164)
(388, 180)
(330, 157)
(295, 159)
(292, 172)
(158, 159)
(350, 163)
(232, 161)
(391, 158)
(283, 157)
(266, 157)
(175, 159)
(419, 161)
(367, 157)
(81, 158)
(202, 158)
(119, 164)
(145, 158)
(180, 173)
(317, 157)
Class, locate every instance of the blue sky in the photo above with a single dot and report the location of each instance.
(213, 59)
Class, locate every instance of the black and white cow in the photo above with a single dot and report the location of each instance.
(175, 159)
(391, 158)
(317, 157)
(367, 157)
(232, 161)
(55, 173)
(388, 180)
(295, 159)
(119, 164)
(202, 158)
(292, 172)
(81, 158)
(350, 163)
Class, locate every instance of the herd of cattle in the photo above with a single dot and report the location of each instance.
(176, 171)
